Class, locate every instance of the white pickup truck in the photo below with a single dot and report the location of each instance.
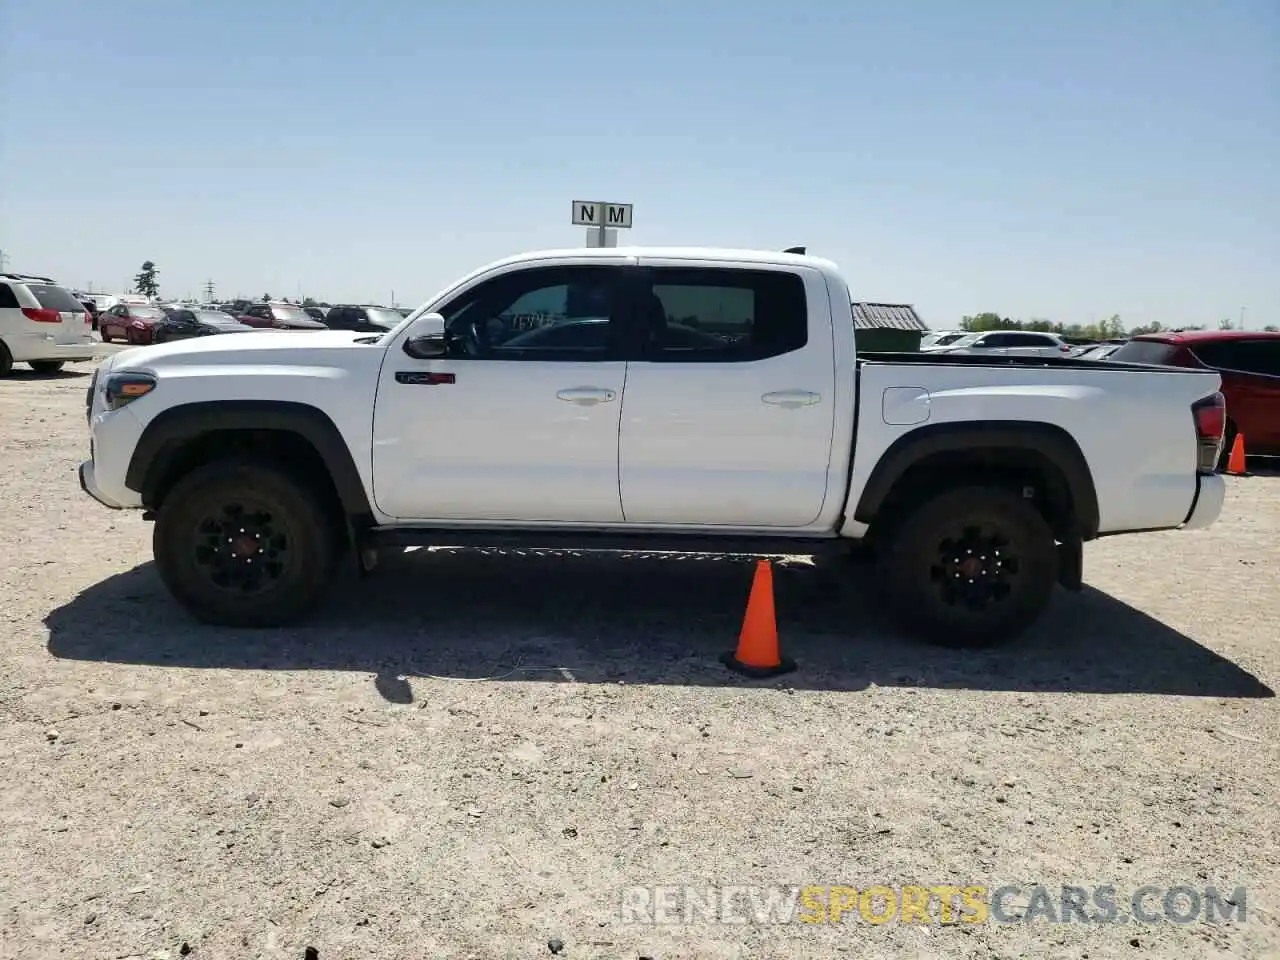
(684, 399)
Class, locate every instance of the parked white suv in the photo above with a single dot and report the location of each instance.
(1014, 343)
(41, 324)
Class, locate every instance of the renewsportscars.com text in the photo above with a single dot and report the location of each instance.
(939, 903)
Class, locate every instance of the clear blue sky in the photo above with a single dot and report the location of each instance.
(1060, 160)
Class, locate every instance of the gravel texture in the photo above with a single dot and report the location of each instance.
(474, 753)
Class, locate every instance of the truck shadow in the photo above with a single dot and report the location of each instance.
(568, 616)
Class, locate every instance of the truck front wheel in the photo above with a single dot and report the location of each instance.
(971, 567)
(244, 544)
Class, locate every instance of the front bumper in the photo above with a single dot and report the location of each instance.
(1210, 495)
(90, 486)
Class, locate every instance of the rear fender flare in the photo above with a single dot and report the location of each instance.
(1048, 442)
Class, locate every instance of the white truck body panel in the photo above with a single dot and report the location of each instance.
(679, 446)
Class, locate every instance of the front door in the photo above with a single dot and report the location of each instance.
(727, 419)
(520, 421)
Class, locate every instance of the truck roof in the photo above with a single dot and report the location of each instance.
(673, 253)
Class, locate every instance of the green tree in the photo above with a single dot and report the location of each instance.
(147, 281)
(266, 297)
(1226, 325)
(985, 321)
(1271, 328)
(309, 302)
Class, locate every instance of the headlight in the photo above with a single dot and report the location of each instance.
(122, 388)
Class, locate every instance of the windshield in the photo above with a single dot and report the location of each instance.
(215, 316)
(290, 313)
(146, 313)
(384, 318)
(965, 340)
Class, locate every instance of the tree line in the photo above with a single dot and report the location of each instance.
(1112, 328)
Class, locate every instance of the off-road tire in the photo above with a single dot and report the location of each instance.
(46, 366)
(299, 543)
(998, 537)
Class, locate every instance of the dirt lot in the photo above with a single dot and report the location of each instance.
(475, 753)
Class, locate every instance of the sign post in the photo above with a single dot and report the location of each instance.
(602, 220)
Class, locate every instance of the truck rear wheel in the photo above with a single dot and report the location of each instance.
(971, 567)
(241, 543)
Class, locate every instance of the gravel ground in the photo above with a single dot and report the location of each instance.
(474, 753)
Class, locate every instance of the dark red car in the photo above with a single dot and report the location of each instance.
(278, 316)
(1249, 363)
(134, 322)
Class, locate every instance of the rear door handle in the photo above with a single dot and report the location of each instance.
(586, 396)
(792, 398)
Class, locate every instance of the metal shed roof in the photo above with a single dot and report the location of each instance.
(893, 316)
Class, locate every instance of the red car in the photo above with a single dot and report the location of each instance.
(134, 322)
(1249, 363)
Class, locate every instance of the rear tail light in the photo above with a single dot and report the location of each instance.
(1210, 415)
(88, 318)
(41, 315)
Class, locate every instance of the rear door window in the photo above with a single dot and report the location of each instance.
(8, 299)
(721, 315)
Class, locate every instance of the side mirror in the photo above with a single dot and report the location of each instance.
(425, 338)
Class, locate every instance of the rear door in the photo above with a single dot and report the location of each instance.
(1032, 345)
(728, 410)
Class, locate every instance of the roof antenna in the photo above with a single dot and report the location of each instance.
(799, 250)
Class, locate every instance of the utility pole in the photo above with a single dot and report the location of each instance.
(1242, 318)
(209, 291)
(4, 261)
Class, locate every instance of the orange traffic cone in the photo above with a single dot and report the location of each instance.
(1236, 465)
(758, 654)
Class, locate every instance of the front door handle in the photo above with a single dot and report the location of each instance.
(586, 396)
(792, 398)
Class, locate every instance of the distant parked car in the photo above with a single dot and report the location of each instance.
(279, 316)
(41, 324)
(940, 338)
(132, 322)
(362, 319)
(1010, 343)
(1249, 364)
(316, 313)
(184, 323)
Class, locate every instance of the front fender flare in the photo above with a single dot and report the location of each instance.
(166, 434)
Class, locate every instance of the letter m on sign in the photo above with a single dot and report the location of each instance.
(618, 214)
